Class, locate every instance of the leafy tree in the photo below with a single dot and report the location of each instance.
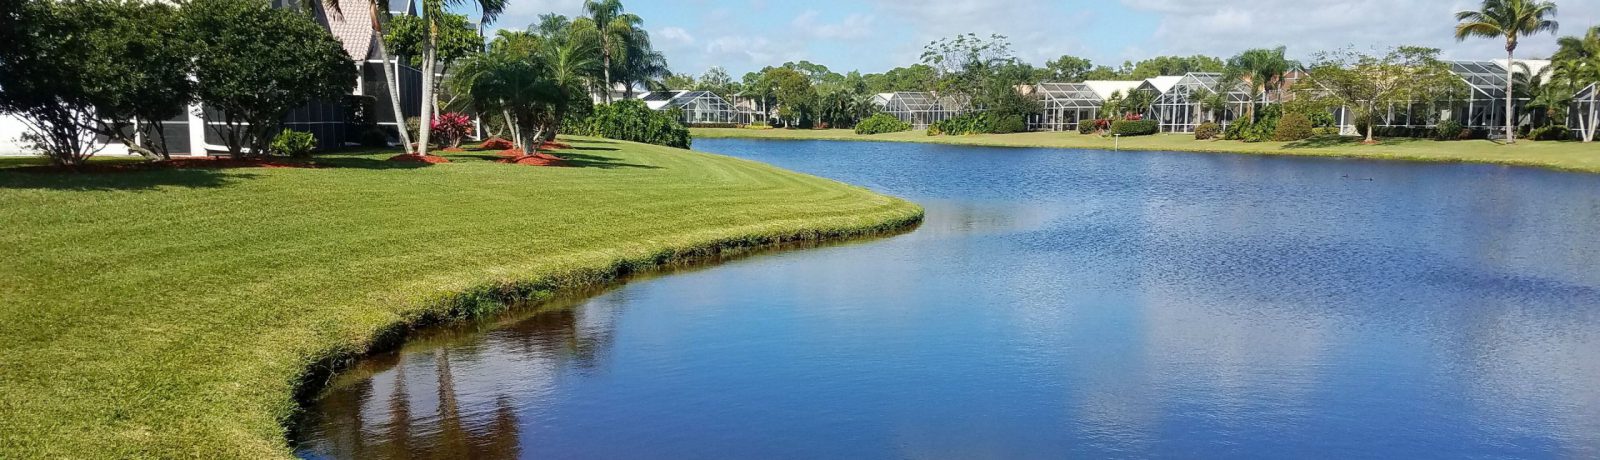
(917, 77)
(965, 62)
(794, 93)
(1365, 82)
(716, 80)
(1509, 19)
(1171, 65)
(625, 50)
(254, 63)
(457, 39)
(125, 70)
(680, 81)
(1069, 69)
(1548, 96)
(42, 77)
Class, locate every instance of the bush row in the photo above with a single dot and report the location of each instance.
(631, 120)
(978, 123)
(880, 123)
(1134, 127)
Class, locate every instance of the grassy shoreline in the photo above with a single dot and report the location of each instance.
(181, 312)
(1563, 156)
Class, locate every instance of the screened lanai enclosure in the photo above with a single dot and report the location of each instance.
(1182, 106)
(1585, 114)
(696, 107)
(921, 109)
(1065, 105)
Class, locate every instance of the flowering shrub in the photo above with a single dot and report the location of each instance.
(1133, 117)
(450, 128)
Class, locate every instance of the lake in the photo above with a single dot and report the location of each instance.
(1056, 303)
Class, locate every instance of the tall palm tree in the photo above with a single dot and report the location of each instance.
(1512, 20)
(571, 60)
(610, 29)
(432, 11)
(379, 9)
(1545, 91)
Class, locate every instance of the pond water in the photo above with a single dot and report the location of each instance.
(1056, 303)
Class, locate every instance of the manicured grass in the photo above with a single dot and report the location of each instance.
(1569, 156)
(174, 313)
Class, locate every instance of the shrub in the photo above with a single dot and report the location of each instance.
(495, 143)
(880, 123)
(1086, 126)
(1207, 131)
(1447, 130)
(1292, 127)
(414, 127)
(298, 144)
(1010, 124)
(1325, 131)
(450, 128)
(972, 123)
(1550, 133)
(1134, 127)
(631, 120)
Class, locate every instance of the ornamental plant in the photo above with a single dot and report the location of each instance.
(297, 144)
(450, 128)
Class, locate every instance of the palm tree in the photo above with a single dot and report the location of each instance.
(1510, 19)
(610, 29)
(1577, 62)
(514, 81)
(1263, 69)
(1543, 91)
(432, 11)
(571, 60)
(378, 9)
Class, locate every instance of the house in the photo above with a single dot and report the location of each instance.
(334, 123)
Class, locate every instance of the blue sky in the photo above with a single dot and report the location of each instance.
(876, 35)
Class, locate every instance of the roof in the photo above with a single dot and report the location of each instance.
(1588, 92)
(1104, 88)
(1063, 95)
(1161, 84)
(352, 25)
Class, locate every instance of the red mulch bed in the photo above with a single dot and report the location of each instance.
(536, 159)
(175, 163)
(554, 146)
(430, 159)
(511, 153)
(495, 143)
(454, 149)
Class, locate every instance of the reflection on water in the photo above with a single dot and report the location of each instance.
(1056, 303)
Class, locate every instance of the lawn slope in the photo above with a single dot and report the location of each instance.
(176, 312)
(1566, 156)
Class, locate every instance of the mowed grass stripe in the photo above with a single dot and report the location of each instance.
(172, 313)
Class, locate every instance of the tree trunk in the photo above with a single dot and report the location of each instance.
(1511, 122)
(391, 80)
(425, 119)
(511, 125)
(605, 54)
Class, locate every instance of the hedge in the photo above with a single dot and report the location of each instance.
(1134, 127)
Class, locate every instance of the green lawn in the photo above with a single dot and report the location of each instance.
(1569, 156)
(175, 312)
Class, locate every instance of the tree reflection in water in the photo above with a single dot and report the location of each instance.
(411, 404)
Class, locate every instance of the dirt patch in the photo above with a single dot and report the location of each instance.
(430, 159)
(537, 159)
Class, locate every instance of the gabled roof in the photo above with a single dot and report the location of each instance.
(1161, 84)
(1062, 95)
(1104, 88)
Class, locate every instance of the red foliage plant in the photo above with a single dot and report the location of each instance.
(1133, 117)
(451, 128)
(1102, 123)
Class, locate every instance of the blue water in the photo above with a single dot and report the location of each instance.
(1057, 303)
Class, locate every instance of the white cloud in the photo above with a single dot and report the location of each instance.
(756, 51)
(1224, 27)
(854, 26)
(674, 37)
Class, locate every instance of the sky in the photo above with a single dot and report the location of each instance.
(877, 35)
